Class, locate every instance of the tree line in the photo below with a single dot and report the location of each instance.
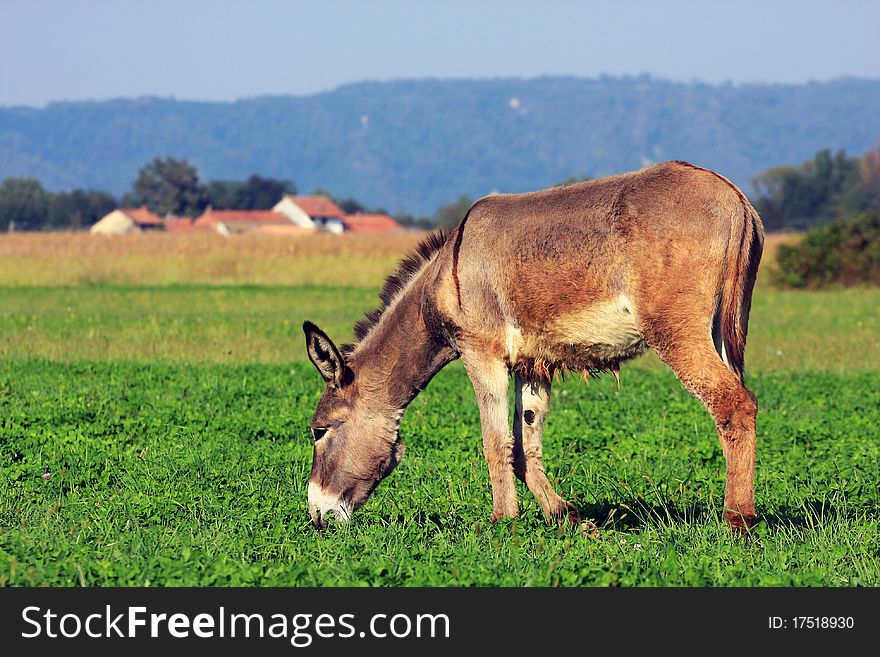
(819, 190)
(167, 186)
(788, 197)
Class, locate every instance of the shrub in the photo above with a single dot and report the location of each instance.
(846, 252)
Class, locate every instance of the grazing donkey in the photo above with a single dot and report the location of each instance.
(574, 278)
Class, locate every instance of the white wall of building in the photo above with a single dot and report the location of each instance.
(115, 223)
(292, 211)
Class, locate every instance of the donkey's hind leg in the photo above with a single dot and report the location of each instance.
(696, 363)
(532, 406)
(491, 380)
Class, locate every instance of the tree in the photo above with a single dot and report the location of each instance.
(169, 187)
(79, 208)
(806, 195)
(450, 214)
(410, 221)
(844, 252)
(864, 196)
(24, 204)
(225, 194)
(350, 205)
(263, 193)
(255, 193)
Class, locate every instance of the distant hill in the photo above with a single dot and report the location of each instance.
(414, 145)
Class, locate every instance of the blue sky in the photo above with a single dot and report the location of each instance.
(228, 49)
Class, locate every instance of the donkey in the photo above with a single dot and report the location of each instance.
(576, 278)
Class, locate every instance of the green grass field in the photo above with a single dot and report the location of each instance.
(174, 423)
(831, 331)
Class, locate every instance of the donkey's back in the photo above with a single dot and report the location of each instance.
(583, 276)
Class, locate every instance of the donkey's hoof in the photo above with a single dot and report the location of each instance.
(740, 523)
(565, 511)
(568, 512)
(501, 515)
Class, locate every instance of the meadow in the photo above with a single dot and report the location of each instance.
(154, 406)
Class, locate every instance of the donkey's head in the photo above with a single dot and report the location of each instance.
(356, 435)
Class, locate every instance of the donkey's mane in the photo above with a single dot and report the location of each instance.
(393, 285)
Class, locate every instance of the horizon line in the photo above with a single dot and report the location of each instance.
(629, 77)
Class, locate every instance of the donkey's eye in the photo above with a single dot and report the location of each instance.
(318, 433)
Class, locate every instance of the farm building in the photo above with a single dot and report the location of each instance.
(236, 222)
(312, 211)
(292, 215)
(179, 225)
(363, 222)
(127, 220)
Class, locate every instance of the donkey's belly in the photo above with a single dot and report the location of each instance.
(595, 337)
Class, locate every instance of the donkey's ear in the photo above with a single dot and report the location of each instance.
(325, 356)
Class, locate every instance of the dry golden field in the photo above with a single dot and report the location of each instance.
(38, 259)
(65, 259)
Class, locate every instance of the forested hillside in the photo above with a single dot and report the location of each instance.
(414, 145)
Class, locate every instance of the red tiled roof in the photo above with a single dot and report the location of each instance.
(184, 225)
(318, 206)
(369, 223)
(142, 216)
(178, 224)
(241, 216)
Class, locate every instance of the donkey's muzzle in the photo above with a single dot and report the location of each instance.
(319, 520)
(322, 504)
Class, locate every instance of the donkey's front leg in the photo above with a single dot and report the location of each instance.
(532, 406)
(491, 378)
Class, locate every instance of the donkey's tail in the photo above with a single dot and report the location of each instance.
(744, 256)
